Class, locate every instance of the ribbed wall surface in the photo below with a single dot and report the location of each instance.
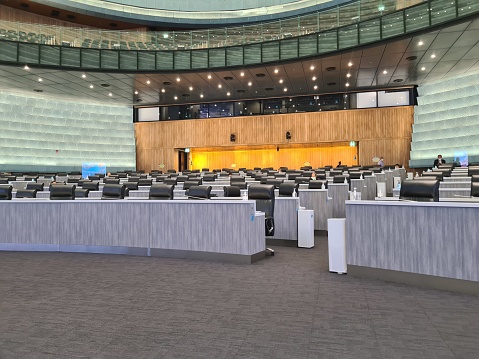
(446, 121)
(44, 134)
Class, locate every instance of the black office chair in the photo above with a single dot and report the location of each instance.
(169, 181)
(340, 179)
(161, 191)
(423, 191)
(26, 193)
(302, 179)
(131, 186)
(92, 186)
(475, 178)
(199, 192)
(144, 182)
(62, 191)
(110, 180)
(264, 197)
(6, 192)
(113, 191)
(275, 182)
(190, 183)
(435, 175)
(286, 189)
(317, 184)
(82, 192)
(3, 180)
(35, 185)
(232, 191)
(210, 177)
(475, 189)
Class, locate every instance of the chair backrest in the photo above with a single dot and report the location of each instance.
(113, 191)
(302, 179)
(144, 182)
(435, 175)
(3, 180)
(34, 185)
(475, 189)
(182, 178)
(92, 186)
(62, 191)
(264, 197)
(133, 186)
(109, 180)
(335, 173)
(133, 178)
(95, 177)
(26, 193)
(81, 192)
(475, 178)
(355, 175)
(241, 185)
(161, 191)
(318, 184)
(286, 189)
(190, 183)
(424, 191)
(232, 191)
(169, 181)
(340, 179)
(209, 177)
(203, 192)
(6, 191)
(321, 176)
(472, 170)
(31, 178)
(274, 181)
(237, 179)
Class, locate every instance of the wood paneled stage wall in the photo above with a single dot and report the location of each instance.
(320, 138)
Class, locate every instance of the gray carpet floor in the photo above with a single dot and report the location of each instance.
(65, 305)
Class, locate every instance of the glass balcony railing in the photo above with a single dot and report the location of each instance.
(339, 16)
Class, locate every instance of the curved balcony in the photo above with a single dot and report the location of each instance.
(261, 44)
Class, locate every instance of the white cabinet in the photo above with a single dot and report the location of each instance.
(337, 245)
(305, 228)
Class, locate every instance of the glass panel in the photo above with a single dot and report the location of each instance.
(369, 31)
(328, 19)
(466, 7)
(393, 98)
(183, 40)
(417, 17)
(252, 34)
(271, 31)
(234, 36)
(327, 42)
(369, 9)
(199, 39)
(348, 36)
(348, 14)
(308, 24)
(442, 10)
(393, 25)
(289, 28)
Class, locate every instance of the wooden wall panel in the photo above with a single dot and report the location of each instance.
(378, 132)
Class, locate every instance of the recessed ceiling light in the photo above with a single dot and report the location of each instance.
(228, 94)
(110, 94)
(420, 43)
(347, 84)
(176, 97)
(163, 90)
(178, 79)
(433, 56)
(40, 79)
(242, 74)
(209, 77)
(350, 64)
(250, 83)
(314, 78)
(423, 68)
(348, 75)
(315, 87)
(281, 81)
(385, 72)
(276, 71)
(312, 67)
(91, 86)
(285, 89)
(191, 88)
(136, 92)
(201, 95)
(220, 86)
(83, 76)
(26, 67)
(148, 82)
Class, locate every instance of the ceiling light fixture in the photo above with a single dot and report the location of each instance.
(250, 83)
(276, 71)
(281, 81)
(209, 77)
(315, 87)
(83, 76)
(191, 88)
(163, 90)
(110, 94)
(220, 86)
(285, 89)
(40, 79)
(433, 56)
(420, 43)
(347, 84)
(350, 64)
(91, 86)
(26, 67)
(176, 97)
(201, 95)
(348, 75)
(136, 92)
(178, 79)
(423, 68)
(242, 74)
(385, 72)
(314, 78)
(148, 82)
(312, 67)
(228, 94)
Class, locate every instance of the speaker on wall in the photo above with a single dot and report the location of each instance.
(232, 137)
(288, 135)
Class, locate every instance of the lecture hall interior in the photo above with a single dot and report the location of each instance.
(239, 179)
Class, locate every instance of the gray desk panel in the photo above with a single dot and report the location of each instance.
(407, 237)
(286, 218)
(317, 200)
(339, 194)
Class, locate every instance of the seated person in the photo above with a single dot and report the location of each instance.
(439, 161)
